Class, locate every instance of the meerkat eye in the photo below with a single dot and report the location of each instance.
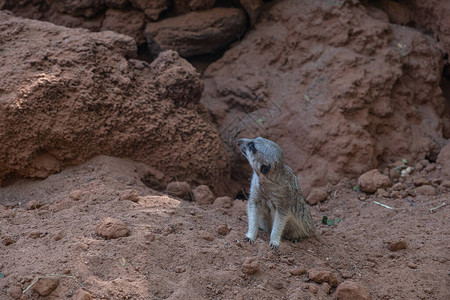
(265, 169)
(252, 148)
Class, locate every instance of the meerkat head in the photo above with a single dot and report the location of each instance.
(263, 155)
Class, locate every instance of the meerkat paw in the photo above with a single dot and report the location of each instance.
(274, 246)
(249, 240)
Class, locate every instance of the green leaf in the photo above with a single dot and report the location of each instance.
(2, 275)
(123, 262)
(307, 98)
(405, 161)
(356, 188)
(330, 222)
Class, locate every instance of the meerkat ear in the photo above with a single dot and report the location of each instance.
(265, 169)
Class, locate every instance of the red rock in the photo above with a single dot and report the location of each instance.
(297, 271)
(223, 229)
(179, 189)
(427, 190)
(7, 240)
(76, 194)
(44, 286)
(421, 181)
(372, 180)
(223, 202)
(321, 276)
(130, 195)
(396, 245)
(207, 236)
(443, 159)
(203, 195)
(15, 292)
(152, 9)
(128, 22)
(251, 266)
(253, 9)
(350, 290)
(33, 204)
(81, 295)
(199, 32)
(316, 196)
(110, 228)
(326, 287)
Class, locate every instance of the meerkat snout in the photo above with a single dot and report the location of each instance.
(276, 203)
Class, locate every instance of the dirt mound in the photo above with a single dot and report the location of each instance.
(340, 91)
(68, 95)
(175, 249)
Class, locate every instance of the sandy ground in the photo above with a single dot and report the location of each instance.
(180, 250)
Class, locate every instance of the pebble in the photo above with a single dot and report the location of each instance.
(179, 189)
(207, 236)
(321, 276)
(426, 190)
(399, 186)
(372, 180)
(316, 196)
(297, 271)
(167, 230)
(7, 240)
(421, 181)
(81, 295)
(223, 202)
(130, 195)
(223, 229)
(326, 287)
(15, 292)
(396, 245)
(44, 286)
(351, 290)
(203, 195)
(33, 204)
(250, 266)
(412, 265)
(75, 195)
(180, 269)
(110, 228)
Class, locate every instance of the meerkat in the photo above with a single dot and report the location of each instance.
(276, 203)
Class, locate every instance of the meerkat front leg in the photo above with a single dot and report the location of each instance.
(252, 214)
(279, 222)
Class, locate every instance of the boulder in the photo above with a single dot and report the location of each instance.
(85, 95)
(199, 32)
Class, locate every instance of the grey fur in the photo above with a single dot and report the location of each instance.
(276, 202)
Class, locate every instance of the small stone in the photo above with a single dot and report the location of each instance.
(44, 286)
(321, 276)
(419, 167)
(58, 236)
(297, 271)
(396, 245)
(372, 180)
(350, 290)
(223, 229)
(316, 196)
(15, 292)
(426, 190)
(395, 194)
(430, 168)
(75, 195)
(399, 186)
(130, 195)
(150, 237)
(250, 266)
(326, 287)
(421, 181)
(33, 204)
(223, 202)
(394, 174)
(207, 236)
(35, 234)
(179, 189)
(313, 288)
(203, 195)
(428, 290)
(412, 265)
(7, 240)
(110, 228)
(180, 269)
(167, 230)
(81, 295)
(346, 274)
(382, 193)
